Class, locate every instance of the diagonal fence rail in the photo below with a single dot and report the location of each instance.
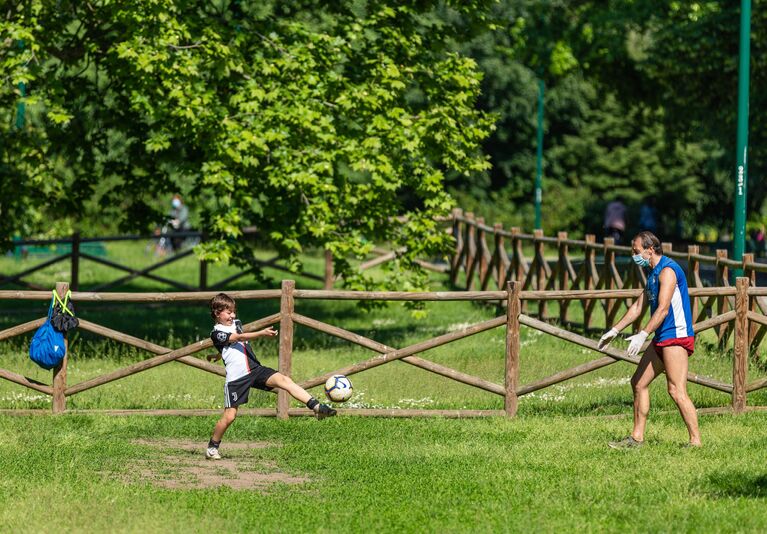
(513, 298)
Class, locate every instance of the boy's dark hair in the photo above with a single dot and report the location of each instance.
(649, 240)
(221, 302)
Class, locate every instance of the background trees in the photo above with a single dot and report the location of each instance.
(320, 122)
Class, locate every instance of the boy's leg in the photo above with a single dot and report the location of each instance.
(227, 418)
(279, 380)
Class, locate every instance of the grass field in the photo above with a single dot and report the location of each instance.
(549, 469)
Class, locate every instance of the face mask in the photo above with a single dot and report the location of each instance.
(639, 260)
(176, 203)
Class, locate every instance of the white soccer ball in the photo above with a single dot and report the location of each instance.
(338, 388)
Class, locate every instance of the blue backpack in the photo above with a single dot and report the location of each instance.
(47, 348)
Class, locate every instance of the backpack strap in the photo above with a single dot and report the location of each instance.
(63, 303)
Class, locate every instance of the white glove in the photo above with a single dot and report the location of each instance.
(607, 338)
(637, 340)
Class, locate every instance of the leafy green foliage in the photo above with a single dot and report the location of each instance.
(318, 131)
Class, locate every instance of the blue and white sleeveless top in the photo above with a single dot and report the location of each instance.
(678, 322)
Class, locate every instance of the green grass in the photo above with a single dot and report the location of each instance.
(549, 469)
(72, 474)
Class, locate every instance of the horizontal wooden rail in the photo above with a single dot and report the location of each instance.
(148, 346)
(407, 351)
(22, 328)
(27, 382)
(621, 355)
(183, 296)
(567, 374)
(412, 360)
(163, 358)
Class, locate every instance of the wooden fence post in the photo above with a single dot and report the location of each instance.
(512, 347)
(564, 274)
(693, 275)
(608, 255)
(502, 257)
(471, 249)
(75, 271)
(589, 281)
(540, 274)
(723, 303)
(455, 261)
(328, 270)
(286, 344)
(740, 352)
(750, 273)
(59, 404)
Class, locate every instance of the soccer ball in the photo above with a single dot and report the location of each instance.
(338, 388)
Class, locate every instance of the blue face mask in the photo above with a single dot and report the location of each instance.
(639, 260)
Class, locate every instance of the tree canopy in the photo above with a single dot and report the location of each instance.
(320, 123)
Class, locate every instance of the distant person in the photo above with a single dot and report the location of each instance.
(672, 345)
(244, 371)
(615, 220)
(179, 220)
(648, 215)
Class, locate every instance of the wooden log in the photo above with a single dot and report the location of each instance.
(18, 276)
(268, 412)
(756, 317)
(59, 403)
(182, 296)
(287, 305)
(377, 261)
(318, 294)
(753, 304)
(471, 245)
(26, 382)
(590, 279)
(542, 270)
(407, 351)
(511, 380)
(502, 257)
(693, 275)
(484, 252)
(713, 322)
(136, 273)
(723, 304)
(148, 346)
(163, 358)
(566, 273)
(608, 268)
(566, 375)
(412, 360)
(460, 249)
(612, 352)
(22, 328)
(740, 350)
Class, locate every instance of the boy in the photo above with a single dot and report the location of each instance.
(243, 370)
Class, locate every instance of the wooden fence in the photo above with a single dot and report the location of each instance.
(513, 297)
(489, 256)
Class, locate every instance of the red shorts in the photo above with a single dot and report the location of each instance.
(687, 342)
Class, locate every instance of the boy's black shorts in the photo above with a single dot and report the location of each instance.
(236, 392)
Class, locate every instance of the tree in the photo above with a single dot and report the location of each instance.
(320, 130)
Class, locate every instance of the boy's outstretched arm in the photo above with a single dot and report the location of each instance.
(247, 336)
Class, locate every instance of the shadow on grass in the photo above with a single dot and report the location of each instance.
(735, 484)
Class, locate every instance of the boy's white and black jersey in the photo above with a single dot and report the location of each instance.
(239, 358)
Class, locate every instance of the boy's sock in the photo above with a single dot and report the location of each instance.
(213, 444)
(312, 404)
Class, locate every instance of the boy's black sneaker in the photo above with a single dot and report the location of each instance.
(323, 411)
